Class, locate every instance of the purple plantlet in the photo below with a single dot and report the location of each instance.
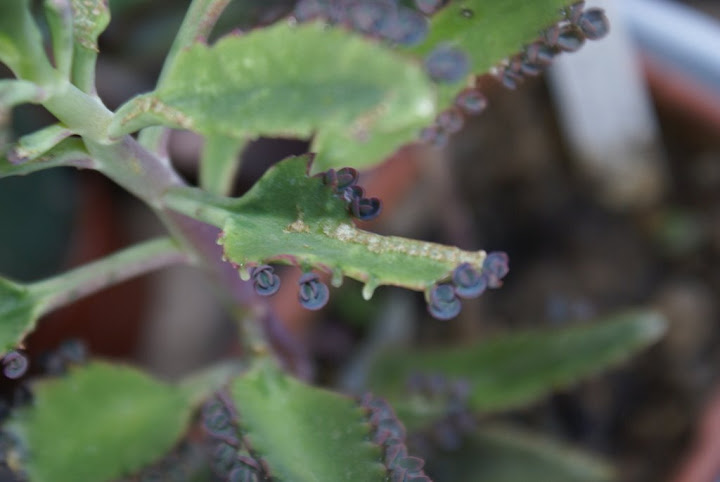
(451, 120)
(428, 7)
(349, 194)
(405, 27)
(15, 365)
(510, 80)
(249, 461)
(366, 209)
(570, 39)
(398, 475)
(242, 474)
(539, 53)
(530, 69)
(265, 281)
(329, 178)
(550, 35)
(441, 140)
(313, 293)
(447, 64)
(393, 426)
(346, 177)
(307, 10)
(337, 11)
(495, 267)
(444, 303)
(370, 16)
(573, 12)
(224, 458)
(411, 464)
(594, 24)
(471, 101)
(468, 282)
(394, 452)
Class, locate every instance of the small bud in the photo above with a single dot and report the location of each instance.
(444, 303)
(346, 177)
(405, 27)
(451, 120)
(570, 39)
(366, 209)
(468, 282)
(313, 293)
(265, 281)
(594, 24)
(447, 64)
(471, 101)
(495, 267)
(428, 7)
(15, 365)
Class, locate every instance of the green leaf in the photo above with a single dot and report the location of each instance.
(90, 19)
(220, 163)
(305, 433)
(500, 453)
(100, 422)
(288, 217)
(19, 310)
(21, 46)
(488, 31)
(516, 369)
(30, 147)
(59, 15)
(292, 81)
(15, 92)
(70, 152)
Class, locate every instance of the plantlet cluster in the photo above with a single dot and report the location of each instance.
(358, 79)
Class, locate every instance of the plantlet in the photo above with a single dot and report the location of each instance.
(360, 80)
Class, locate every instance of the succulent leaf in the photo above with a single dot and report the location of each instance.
(360, 99)
(291, 218)
(515, 369)
(304, 433)
(120, 420)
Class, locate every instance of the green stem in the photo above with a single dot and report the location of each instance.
(65, 288)
(197, 204)
(198, 23)
(83, 69)
(83, 114)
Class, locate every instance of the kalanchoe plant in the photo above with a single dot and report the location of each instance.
(359, 79)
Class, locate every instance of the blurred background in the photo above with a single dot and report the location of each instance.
(601, 180)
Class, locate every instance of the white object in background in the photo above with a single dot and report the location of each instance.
(677, 35)
(607, 117)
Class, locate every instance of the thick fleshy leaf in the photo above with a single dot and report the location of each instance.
(90, 19)
(59, 16)
(487, 31)
(305, 433)
(512, 370)
(32, 146)
(21, 46)
(292, 81)
(19, 310)
(69, 152)
(503, 454)
(289, 217)
(103, 421)
(15, 92)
